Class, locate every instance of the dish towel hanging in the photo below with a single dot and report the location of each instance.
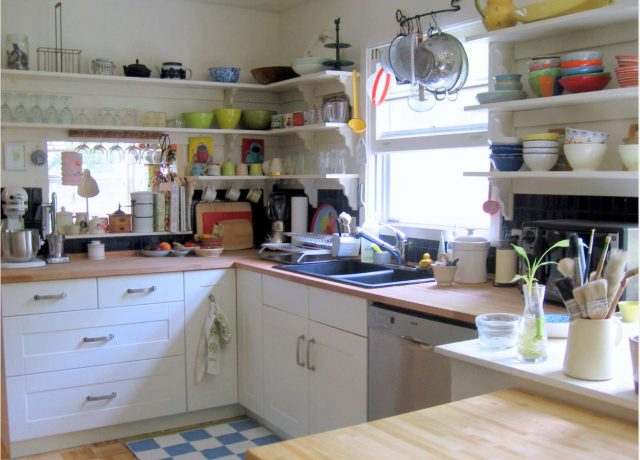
(215, 337)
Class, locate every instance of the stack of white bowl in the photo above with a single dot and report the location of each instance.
(540, 152)
(585, 149)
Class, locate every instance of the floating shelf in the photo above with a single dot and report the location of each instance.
(536, 103)
(93, 236)
(615, 14)
(626, 175)
(273, 178)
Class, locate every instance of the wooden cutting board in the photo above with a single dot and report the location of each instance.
(209, 214)
(237, 234)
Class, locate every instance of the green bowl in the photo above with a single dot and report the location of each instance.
(227, 118)
(199, 120)
(257, 119)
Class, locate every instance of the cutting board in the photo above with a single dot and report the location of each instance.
(237, 234)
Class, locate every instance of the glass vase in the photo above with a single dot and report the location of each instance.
(532, 339)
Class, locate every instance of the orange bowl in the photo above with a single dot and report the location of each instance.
(582, 63)
(585, 83)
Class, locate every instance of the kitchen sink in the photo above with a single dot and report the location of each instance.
(361, 274)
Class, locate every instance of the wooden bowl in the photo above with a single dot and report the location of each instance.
(267, 75)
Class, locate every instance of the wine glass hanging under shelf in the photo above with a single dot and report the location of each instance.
(338, 63)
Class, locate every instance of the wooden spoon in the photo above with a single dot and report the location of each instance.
(356, 124)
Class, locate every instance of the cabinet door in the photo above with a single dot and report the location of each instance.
(285, 295)
(118, 291)
(212, 390)
(285, 379)
(338, 381)
(250, 345)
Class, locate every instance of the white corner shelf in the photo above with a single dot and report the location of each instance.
(620, 12)
(272, 178)
(536, 103)
(89, 236)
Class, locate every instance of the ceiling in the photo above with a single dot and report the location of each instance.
(274, 6)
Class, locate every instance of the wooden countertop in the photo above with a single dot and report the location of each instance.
(504, 424)
(462, 302)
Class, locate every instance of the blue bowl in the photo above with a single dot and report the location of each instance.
(506, 149)
(506, 162)
(582, 70)
(225, 74)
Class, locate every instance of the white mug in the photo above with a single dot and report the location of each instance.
(591, 348)
(273, 167)
(232, 194)
(254, 195)
(209, 194)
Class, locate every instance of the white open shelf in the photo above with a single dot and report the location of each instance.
(93, 236)
(622, 11)
(535, 103)
(613, 175)
(281, 177)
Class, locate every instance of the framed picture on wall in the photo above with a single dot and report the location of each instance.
(15, 157)
(252, 150)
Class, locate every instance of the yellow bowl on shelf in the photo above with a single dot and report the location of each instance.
(227, 118)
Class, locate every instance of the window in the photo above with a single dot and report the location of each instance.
(420, 157)
(117, 174)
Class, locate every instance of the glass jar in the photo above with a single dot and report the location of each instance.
(17, 47)
(532, 338)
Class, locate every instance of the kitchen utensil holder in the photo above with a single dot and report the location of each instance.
(58, 59)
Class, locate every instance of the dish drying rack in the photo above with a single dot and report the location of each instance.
(302, 246)
(58, 59)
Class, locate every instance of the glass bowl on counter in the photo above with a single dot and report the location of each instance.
(498, 330)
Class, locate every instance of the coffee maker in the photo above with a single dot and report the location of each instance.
(278, 213)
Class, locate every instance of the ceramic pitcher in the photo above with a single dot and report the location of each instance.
(497, 14)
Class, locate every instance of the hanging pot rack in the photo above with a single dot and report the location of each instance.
(407, 24)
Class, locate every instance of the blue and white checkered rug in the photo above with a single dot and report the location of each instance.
(224, 441)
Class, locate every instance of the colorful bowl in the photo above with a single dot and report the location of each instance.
(582, 70)
(257, 119)
(585, 83)
(506, 162)
(581, 55)
(198, 120)
(545, 82)
(569, 64)
(224, 74)
(227, 118)
(547, 62)
(583, 136)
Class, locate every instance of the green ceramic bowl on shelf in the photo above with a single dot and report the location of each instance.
(198, 120)
(257, 119)
(227, 118)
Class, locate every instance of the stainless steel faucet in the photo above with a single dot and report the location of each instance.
(399, 250)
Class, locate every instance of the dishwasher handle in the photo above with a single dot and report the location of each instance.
(411, 339)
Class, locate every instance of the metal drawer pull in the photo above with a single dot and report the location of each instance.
(50, 296)
(298, 362)
(416, 341)
(103, 397)
(104, 338)
(141, 290)
(309, 366)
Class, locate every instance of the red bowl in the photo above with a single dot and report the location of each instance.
(581, 63)
(584, 83)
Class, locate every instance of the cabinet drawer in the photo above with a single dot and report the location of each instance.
(60, 402)
(285, 295)
(49, 296)
(345, 312)
(55, 341)
(117, 291)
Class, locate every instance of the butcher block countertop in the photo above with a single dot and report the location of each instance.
(462, 302)
(500, 425)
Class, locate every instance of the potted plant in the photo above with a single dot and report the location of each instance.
(532, 339)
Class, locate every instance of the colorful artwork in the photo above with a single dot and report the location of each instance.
(200, 150)
(252, 150)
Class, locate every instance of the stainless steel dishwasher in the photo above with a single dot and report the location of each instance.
(405, 373)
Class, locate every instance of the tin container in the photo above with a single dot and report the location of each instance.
(119, 222)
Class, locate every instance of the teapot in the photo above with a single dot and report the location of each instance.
(498, 14)
(137, 70)
(174, 70)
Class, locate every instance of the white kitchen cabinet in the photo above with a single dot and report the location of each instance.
(613, 30)
(250, 341)
(49, 296)
(212, 390)
(315, 357)
(118, 291)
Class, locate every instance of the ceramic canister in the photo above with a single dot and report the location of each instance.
(142, 206)
(472, 251)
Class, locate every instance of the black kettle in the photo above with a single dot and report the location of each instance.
(137, 70)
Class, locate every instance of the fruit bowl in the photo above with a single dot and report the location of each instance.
(180, 252)
(152, 253)
(208, 252)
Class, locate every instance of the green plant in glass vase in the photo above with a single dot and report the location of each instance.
(532, 337)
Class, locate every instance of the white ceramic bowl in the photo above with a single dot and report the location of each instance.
(629, 156)
(540, 161)
(538, 144)
(208, 252)
(307, 65)
(505, 141)
(585, 157)
(541, 150)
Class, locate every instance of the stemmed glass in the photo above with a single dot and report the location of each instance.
(7, 113)
(19, 111)
(82, 118)
(66, 117)
(36, 115)
(109, 118)
(115, 154)
(131, 154)
(98, 154)
(51, 113)
(84, 150)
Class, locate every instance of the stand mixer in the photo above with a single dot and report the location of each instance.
(277, 212)
(19, 246)
(14, 206)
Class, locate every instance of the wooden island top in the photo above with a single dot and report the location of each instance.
(461, 302)
(505, 424)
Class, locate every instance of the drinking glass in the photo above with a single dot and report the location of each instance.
(66, 116)
(115, 155)
(35, 115)
(84, 150)
(130, 118)
(131, 154)
(19, 111)
(51, 113)
(98, 154)
(7, 113)
(109, 117)
(82, 118)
